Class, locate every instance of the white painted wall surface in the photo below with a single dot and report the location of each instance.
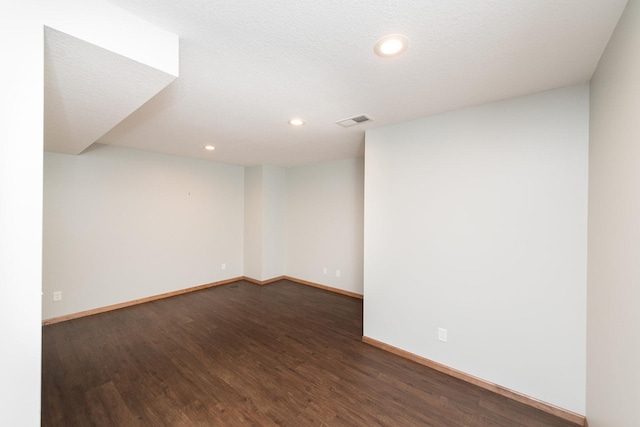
(253, 222)
(122, 224)
(475, 221)
(21, 118)
(613, 350)
(324, 217)
(274, 185)
(264, 211)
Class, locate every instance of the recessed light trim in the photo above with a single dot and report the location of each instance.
(391, 45)
(209, 147)
(296, 122)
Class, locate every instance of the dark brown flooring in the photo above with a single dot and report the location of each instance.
(243, 354)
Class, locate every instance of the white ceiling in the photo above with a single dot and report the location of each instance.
(89, 90)
(246, 67)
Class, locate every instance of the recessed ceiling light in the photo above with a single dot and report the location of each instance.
(296, 122)
(209, 147)
(391, 45)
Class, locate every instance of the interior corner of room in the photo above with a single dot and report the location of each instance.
(495, 242)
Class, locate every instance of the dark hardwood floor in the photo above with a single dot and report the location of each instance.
(249, 355)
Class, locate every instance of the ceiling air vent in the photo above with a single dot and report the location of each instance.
(352, 121)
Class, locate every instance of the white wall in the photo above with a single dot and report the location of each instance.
(613, 351)
(122, 224)
(324, 216)
(253, 222)
(21, 118)
(475, 221)
(274, 184)
(264, 228)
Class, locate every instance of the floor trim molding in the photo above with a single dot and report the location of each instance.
(193, 289)
(503, 391)
(135, 302)
(262, 282)
(326, 288)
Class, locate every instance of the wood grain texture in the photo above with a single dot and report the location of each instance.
(503, 391)
(135, 302)
(246, 355)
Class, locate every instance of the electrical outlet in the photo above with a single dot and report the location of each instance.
(337, 273)
(442, 334)
(324, 270)
(57, 295)
(223, 267)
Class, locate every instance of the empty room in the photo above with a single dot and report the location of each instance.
(404, 213)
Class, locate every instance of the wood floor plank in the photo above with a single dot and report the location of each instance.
(284, 354)
(107, 407)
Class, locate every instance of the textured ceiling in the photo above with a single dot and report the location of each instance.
(247, 67)
(88, 90)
